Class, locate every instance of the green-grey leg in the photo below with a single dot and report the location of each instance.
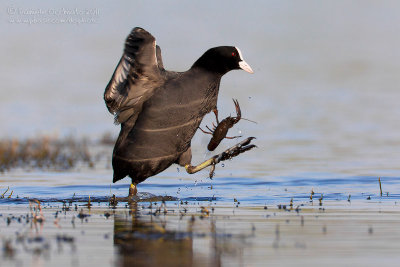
(227, 154)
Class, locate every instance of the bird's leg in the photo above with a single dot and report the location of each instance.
(227, 154)
(193, 169)
(132, 190)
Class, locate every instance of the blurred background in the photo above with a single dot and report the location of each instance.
(325, 92)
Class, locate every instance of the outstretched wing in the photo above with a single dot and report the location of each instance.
(137, 75)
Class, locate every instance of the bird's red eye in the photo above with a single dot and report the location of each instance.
(233, 54)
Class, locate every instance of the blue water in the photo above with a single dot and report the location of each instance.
(76, 186)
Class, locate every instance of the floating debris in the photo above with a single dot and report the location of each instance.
(113, 201)
(82, 215)
(282, 207)
(65, 207)
(298, 209)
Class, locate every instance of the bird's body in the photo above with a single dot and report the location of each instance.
(159, 110)
(165, 127)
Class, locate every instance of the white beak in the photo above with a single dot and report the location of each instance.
(246, 67)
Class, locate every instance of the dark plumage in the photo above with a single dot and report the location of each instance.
(160, 111)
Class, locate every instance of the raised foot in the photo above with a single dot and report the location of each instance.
(227, 154)
(235, 150)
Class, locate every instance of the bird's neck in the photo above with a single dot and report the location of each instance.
(207, 87)
(198, 74)
(209, 65)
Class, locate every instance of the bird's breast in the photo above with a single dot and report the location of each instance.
(169, 120)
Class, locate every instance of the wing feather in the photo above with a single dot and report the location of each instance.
(136, 76)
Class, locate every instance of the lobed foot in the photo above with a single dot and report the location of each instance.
(227, 154)
(235, 150)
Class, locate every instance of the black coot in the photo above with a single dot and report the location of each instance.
(160, 111)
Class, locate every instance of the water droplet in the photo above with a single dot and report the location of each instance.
(177, 169)
(223, 165)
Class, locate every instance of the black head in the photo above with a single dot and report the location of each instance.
(222, 59)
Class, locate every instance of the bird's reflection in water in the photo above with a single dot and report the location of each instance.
(144, 239)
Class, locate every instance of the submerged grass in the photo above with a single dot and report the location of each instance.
(44, 153)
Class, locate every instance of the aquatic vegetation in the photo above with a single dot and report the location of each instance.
(107, 139)
(44, 153)
(2, 195)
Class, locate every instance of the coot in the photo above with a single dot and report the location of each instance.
(160, 111)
